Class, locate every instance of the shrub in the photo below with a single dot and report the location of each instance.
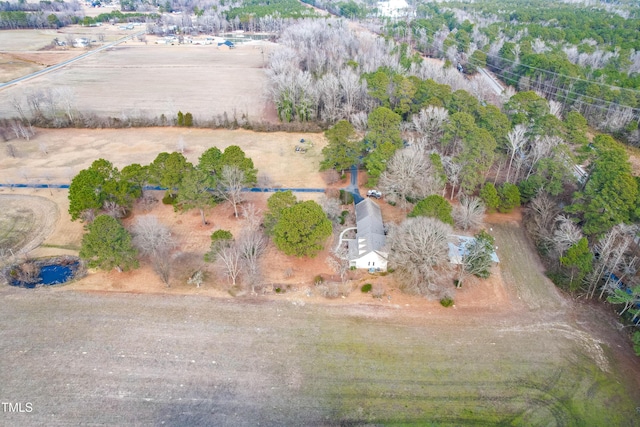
(378, 291)
(169, 198)
(318, 279)
(188, 119)
(346, 198)
(446, 302)
(529, 188)
(221, 235)
(343, 217)
(366, 288)
(489, 196)
(509, 197)
(434, 206)
(328, 290)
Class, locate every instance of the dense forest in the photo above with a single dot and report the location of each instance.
(586, 58)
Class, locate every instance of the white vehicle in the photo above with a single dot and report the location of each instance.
(374, 193)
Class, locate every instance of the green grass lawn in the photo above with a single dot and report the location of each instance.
(436, 374)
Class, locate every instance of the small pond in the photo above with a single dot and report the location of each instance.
(52, 271)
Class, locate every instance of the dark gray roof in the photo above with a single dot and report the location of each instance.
(370, 234)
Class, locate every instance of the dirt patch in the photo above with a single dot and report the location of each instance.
(188, 360)
(57, 155)
(521, 268)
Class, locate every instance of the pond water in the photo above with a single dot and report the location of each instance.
(50, 275)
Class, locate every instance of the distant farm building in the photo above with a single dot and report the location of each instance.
(225, 45)
(80, 42)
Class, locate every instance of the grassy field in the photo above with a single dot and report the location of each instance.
(138, 80)
(481, 374)
(521, 267)
(25, 51)
(25, 222)
(15, 226)
(70, 150)
(119, 359)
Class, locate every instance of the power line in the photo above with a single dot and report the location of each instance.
(562, 94)
(564, 91)
(635, 91)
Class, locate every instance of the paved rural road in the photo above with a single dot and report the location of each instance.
(69, 61)
(152, 187)
(493, 83)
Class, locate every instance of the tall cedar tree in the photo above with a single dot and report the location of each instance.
(108, 245)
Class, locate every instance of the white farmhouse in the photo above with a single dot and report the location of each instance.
(366, 250)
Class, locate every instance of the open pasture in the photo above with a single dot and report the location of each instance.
(57, 155)
(135, 79)
(23, 52)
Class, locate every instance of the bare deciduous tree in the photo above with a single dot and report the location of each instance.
(153, 239)
(113, 209)
(469, 214)
(429, 123)
(11, 150)
(264, 180)
(452, 169)
(252, 216)
(331, 207)
(541, 147)
(516, 139)
(359, 121)
(566, 233)
(230, 186)
(555, 108)
(17, 105)
(330, 176)
(229, 262)
(419, 251)
(339, 262)
(22, 131)
(409, 174)
(611, 251)
(252, 245)
(540, 218)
